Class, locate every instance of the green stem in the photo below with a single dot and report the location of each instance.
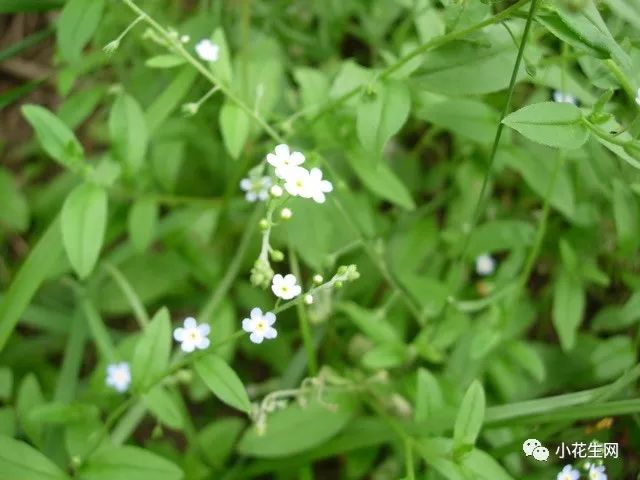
(127, 289)
(99, 331)
(204, 70)
(622, 79)
(494, 149)
(232, 271)
(303, 320)
(542, 226)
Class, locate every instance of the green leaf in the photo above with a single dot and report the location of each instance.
(55, 137)
(371, 323)
(429, 399)
(16, 6)
(20, 461)
(314, 89)
(470, 417)
(471, 68)
(164, 407)
(6, 383)
(568, 307)
(222, 68)
(554, 124)
(165, 61)
(129, 462)
(129, 132)
(381, 114)
(381, 180)
(223, 381)
(14, 214)
(234, 124)
(151, 355)
(217, 440)
(29, 397)
(84, 219)
(466, 117)
(499, 235)
(35, 269)
(169, 99)
(589, 26)
(76, 25)
(626, 215)
(296, 429)
(142, 221)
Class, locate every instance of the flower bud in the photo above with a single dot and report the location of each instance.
(308, 299)
(286, 213)
(317, 278)
(264, 224)
(276, 191)
(277, 255)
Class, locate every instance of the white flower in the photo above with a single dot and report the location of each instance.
(285, 287)
(318, 186)
(192, 336)
(286, 213)
(638, 97)
(597, 473)
(298, 182)
(283, 160)
(259, 325)
(562, 97)
(207, 50)
(568, 473)
(118, 376)
(485, 265)
(257, 189)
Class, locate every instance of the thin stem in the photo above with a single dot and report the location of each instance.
(127, 289)
(204, 70)
(542, 226)
(494, 149)
(408, 460)
(303, 320)
(622, 79)
(99, 331)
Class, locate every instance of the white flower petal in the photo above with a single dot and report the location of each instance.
(255, 314)
(255, 337)
(270, 333)
(296, 158)
(245, 184)
(282, 150)
(190, 322)
(204, 329)
(178, 334)
(203, 343)
(246, 325)
(270, 318)
(188, 346)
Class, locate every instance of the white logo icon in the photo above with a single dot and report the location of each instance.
(529, 446)
(533, 447)
(541, 454)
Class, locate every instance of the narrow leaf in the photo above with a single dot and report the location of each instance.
(84, 219)
(223, 382)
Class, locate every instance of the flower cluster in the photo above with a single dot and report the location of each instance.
(594, 472)
(289, 176)
(563, 97)
(298, 181)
